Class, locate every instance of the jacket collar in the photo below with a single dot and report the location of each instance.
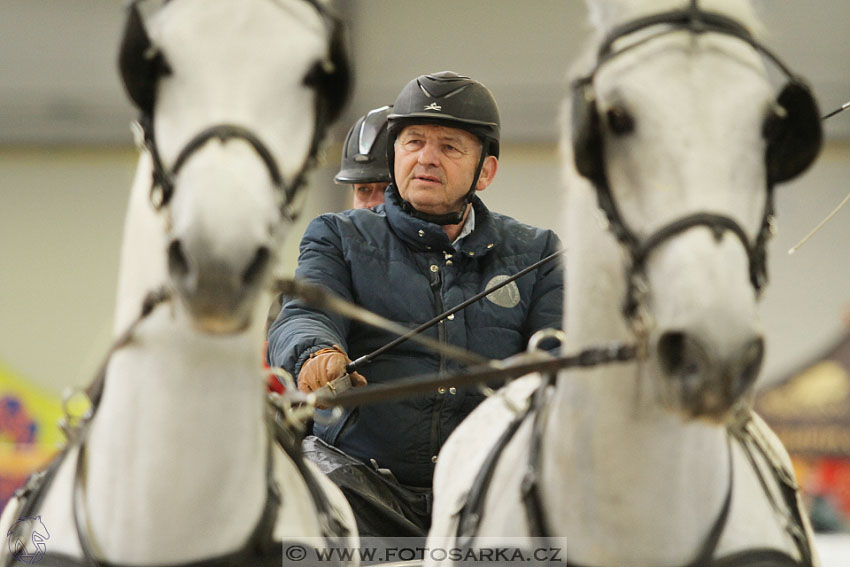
(426, 236)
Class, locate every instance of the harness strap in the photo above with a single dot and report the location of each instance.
(260, 543)
(530, 487)
(239, 558)
(94, 391)
(537, 519)
(757, 558)
(333, 528)
(30, 496)
(710, 546)
(472, 511)
(792, 521)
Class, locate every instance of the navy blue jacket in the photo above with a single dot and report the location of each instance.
(406, 270)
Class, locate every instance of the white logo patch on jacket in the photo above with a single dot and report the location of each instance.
(507, 296)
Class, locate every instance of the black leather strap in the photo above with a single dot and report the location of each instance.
(333, 528)
(789, 510)
(535, 513)
(473, 510)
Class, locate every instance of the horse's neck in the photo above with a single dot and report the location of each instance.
(632, 476)
(142, 265)
(630, 481)
(178, 409)
(179, 431)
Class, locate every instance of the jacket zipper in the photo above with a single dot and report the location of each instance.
(436, 285)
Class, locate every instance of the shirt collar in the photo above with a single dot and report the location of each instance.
(468, 226)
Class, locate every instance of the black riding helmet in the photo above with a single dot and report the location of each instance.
(364, 155)
(447, 99)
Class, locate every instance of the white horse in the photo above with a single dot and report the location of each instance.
(674, 144)
(177, 463)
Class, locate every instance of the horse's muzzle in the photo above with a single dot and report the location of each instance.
(707, 384)
(218, 297)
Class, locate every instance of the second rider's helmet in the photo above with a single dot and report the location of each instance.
(364, 154)
(447, 99)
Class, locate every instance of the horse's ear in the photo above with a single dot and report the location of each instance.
(793, 133)
(339, 82)
(140, 62)
(331, 78)
(586, 132)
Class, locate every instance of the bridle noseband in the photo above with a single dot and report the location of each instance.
(793, 138)
(162, 179)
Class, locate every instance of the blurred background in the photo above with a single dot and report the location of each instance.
(67, 160)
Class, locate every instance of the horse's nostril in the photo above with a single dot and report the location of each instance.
(257, 266)
(671, 352)
(751, 361)
(682, 356)
(178, 265)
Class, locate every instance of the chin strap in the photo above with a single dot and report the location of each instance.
(455, 217)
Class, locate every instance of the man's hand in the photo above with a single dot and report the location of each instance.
(323, 366)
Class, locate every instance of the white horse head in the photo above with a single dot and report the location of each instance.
(673, 141)
(680, 137)
(178, 463)
(235, 98)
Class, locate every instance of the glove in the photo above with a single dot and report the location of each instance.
(323, 366)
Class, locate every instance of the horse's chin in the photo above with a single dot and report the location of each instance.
(217, 319)
(710, 402)
(218, 310)
(217, 325)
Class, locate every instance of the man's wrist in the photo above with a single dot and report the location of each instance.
(325, 350)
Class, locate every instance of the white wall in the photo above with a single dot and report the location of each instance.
(62, 212)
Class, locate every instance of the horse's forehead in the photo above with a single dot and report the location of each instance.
(607, 14)
(687, 76)
(206, 29)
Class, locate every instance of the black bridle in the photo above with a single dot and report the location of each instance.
(793, 134)
(142, 64)
(162, 179)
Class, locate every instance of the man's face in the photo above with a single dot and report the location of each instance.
(367, 195)
(435, 165)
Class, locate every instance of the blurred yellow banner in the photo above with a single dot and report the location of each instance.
(29, 430)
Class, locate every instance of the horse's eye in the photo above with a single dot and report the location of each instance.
(620, 120)
(314, 76)
(774, 123)
(318, 74)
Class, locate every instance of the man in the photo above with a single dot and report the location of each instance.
(364, 159)
(432, 245)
